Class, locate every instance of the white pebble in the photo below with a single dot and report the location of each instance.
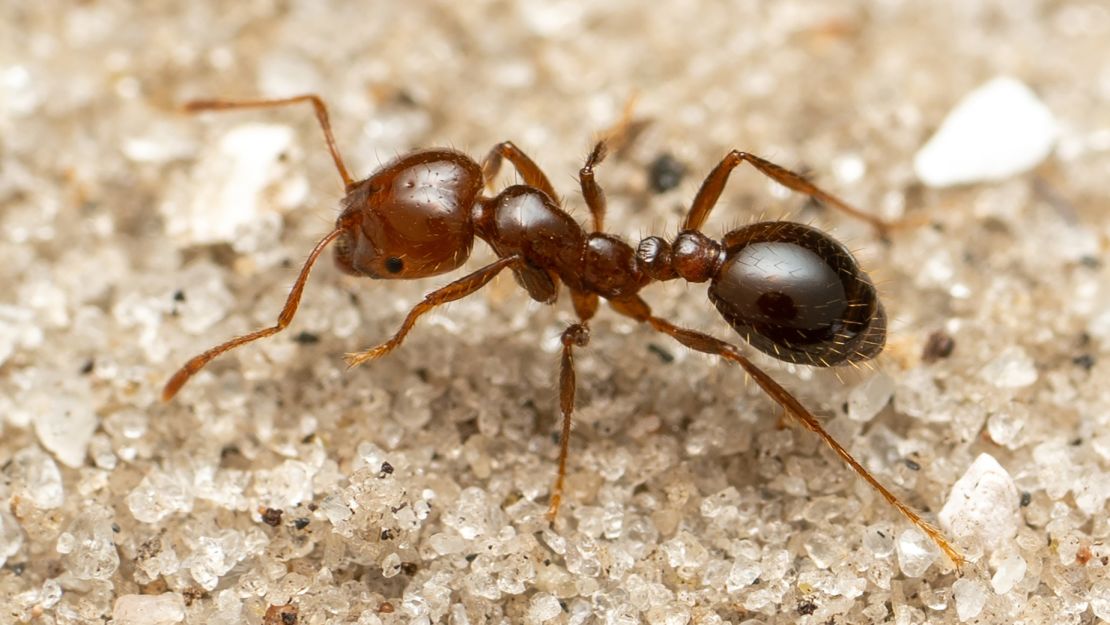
(1010, 570)
(65, 428)
(163, 609)
(983, 504)
(231, 183)
(998, 130)
(867, 399)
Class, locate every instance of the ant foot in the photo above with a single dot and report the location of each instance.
(355, 359)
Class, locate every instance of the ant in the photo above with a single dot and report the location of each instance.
(789, 290)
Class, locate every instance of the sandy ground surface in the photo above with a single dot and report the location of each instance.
(279, 487)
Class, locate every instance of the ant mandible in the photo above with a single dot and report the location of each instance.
(788, 289)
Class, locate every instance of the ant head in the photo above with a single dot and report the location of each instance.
(411, 218)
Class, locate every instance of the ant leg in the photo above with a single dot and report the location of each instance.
(317, 103)
(617, 137)
(585, 305)
(531, 173)
(591, 191)
(710, 190)
(197, 362)
(577, 335)
(698, 341)
(456, 290)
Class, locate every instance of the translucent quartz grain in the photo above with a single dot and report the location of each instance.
(11, 536)
(159, 495)
(970, 596)
(164, 609)
(1012, 368)
(89, 547)
(824, 550)
(543, 607)
(1100, 600)
(868, 398)
(18, 330)
(742, 574)
(915, 552)
(37, 478)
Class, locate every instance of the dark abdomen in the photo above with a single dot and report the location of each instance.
(797, 294)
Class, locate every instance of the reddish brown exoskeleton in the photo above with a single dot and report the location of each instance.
(791, 291)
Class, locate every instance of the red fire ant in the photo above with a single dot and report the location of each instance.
(791, 291)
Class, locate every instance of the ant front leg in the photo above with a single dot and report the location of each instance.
(284, 318)
(638, 309)
(527, 168)
(317, 104)
(577, 335)
(710, 190)
(467, 285)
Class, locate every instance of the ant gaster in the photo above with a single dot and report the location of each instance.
(791, 291)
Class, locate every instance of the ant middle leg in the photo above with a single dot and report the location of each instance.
(591, 190)
(527, 168)
(318, 105)
(463, 287)
(577, 335)
(710, 190)
(636, 308)
(616, 138)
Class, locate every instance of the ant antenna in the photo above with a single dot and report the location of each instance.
(321, 116)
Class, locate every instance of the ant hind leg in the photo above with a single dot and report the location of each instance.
(577, 335)
(714, 184)
(636, 308)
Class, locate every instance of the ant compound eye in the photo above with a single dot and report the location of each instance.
(394, 264)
